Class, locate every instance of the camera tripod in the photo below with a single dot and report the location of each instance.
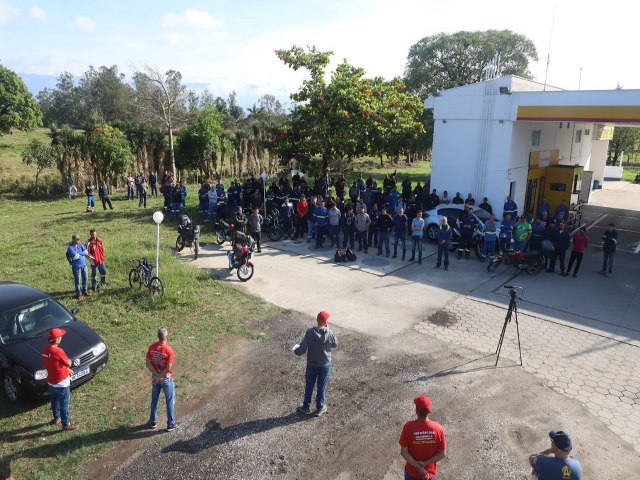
(512, 312)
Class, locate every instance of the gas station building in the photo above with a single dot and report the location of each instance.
(513, 136)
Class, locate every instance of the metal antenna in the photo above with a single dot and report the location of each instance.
(553, 22)
(580, 79)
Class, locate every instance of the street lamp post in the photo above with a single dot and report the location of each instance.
(264, 176)
(158, 217)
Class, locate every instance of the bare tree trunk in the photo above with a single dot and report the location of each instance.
(171, 155)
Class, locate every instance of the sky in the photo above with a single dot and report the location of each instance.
(229, 45)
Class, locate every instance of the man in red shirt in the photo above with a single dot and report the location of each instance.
(160, 363)
(580, 244)
(97, 255)
(59, 379)
(422, 443)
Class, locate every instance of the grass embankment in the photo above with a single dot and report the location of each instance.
(15, 174)
(198, 311)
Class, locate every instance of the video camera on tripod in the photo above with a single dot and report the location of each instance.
(512, 312)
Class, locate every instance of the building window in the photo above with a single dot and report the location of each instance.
(587, 131)
(535, 138)
(568, 124)
(560, 125)
(578, 136)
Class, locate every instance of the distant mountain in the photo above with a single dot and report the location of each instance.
(37, 83)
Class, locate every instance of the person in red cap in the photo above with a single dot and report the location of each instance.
(422, 443)
(317, 344)
(59, 378)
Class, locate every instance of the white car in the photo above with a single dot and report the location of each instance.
(453, 212)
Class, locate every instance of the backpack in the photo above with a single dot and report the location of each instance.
(350, 256)
(340, 255)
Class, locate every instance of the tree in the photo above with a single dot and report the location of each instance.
(41, 156)
(18, 108)
(625, 139)
(105, 92)
(444, 60)
(61, 106)
(109, 152)
(197, 142)
(348, 117)
(164, 97)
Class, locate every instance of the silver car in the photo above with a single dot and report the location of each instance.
(453, 212)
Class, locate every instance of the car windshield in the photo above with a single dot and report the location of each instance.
(32, 320)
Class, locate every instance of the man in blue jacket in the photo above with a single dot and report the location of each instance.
(510, 208)
(561, 242)
(321, 219)
(75, 255)
(444, 239)
(317, 344)
(609, 245)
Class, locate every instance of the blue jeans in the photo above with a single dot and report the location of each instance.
(334, 231)
(60, 403)
(91, 201)
(175, 210)
(521, 245)
(383, 239)
(169, 389)
(410, 477)
(103, 275)
(402, 237)
(417, 240)
(321, 375)
(311, 230)
(81, 279)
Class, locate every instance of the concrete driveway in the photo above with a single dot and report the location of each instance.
(466, 306)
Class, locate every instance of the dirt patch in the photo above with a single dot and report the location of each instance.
(230, 351)
(442, 318)
(493, 417)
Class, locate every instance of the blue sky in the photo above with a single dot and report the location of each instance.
(229, 44)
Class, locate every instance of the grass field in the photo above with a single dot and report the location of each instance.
(198, 311)
(13, 172)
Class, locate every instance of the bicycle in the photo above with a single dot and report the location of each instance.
(142, 275)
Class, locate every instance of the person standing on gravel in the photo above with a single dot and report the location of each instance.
(422, 443)
(160, 363)
(317, 344)
(555, 463)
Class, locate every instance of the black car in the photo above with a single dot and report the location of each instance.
(26, 316)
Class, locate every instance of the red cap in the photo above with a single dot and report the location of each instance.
(323, 317)
(56, 333)
(422, 403)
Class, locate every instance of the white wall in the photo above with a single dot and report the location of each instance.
(598, 159)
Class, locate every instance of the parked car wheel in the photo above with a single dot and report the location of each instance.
(432, 232)
(12, 389)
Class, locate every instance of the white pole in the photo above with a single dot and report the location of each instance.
(158, 252)
(264, 197)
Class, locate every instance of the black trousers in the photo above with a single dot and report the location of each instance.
(577, 256)
(257, 236)
(106, 201)
(558, 254)
(608, 259)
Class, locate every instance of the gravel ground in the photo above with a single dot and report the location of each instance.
(493, 417)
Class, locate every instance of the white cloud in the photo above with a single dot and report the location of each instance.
(8, 12)
(85, 24)
(191, 17)
(38, 14)
(172, 37)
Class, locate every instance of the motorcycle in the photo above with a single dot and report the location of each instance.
(223, 232)
(530, 262)
(272, 226)
(240, 256)
(188, 236)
